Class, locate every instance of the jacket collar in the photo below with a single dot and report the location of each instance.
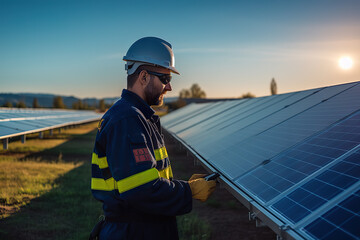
(137, 102)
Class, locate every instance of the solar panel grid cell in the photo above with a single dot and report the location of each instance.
(302, 161)
(340, 222)
(319, 190)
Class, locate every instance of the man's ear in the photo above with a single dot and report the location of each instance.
(143, 78)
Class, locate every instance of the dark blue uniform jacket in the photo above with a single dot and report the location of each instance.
(132, 176)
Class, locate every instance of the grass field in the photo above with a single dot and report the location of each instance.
(45, 189)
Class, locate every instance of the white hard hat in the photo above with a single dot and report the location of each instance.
(150, 51)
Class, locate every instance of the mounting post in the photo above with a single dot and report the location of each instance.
(23, 138)
(5, 143)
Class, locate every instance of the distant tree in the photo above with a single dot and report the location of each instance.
(194, 92)
(21, 104)
(102, 106)
(58, 102)
(8, 104)
(85, 106)
(185, 93)
(273, 87)
(247, 95)
(77, 105)
(35, 103)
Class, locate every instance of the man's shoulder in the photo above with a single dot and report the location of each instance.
(122, 111)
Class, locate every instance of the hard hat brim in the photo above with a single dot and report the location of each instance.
(171, 68)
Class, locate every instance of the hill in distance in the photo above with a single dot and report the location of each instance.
(46, 100)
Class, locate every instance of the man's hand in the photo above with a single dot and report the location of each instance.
(196, 176)
(200, 188)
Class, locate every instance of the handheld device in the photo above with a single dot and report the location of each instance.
(212, 176)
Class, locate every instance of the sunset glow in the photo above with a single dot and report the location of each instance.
(345, 63)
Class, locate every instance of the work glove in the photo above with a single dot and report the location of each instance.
(196, 176)
(201, 189)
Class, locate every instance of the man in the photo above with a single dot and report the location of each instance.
(131, 171)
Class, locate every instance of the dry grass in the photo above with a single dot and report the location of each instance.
(45, 186)
(20, 182)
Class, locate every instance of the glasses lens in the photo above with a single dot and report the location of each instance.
(163, 77)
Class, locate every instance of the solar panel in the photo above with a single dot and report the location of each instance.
(15, 122)
(245, 154)
(242, 132)
(193, 121)
(284, 171)
(189, 117)
(216, 130)
(294, 157)
(190, 110)
(197, 133)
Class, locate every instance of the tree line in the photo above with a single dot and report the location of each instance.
(195, 91)
(59, 104)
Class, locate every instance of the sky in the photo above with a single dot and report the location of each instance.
(75, 47)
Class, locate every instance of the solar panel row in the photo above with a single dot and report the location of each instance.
(296, 154)
(16, 122)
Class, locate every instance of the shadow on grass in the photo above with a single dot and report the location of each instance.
(68, 211)
(74, 150)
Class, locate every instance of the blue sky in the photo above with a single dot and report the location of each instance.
(73, 47)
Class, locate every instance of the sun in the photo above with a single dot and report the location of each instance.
(345, 63)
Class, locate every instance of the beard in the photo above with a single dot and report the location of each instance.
(152, 96)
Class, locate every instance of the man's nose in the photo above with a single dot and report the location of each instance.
(168, 87)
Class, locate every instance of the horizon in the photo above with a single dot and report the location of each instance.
(228, 48)
(167, 97)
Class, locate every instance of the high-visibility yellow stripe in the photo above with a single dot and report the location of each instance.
(160, 153)
(125, 184)
(104, 185)
(166, 173)
(138, 179)
(101, 162)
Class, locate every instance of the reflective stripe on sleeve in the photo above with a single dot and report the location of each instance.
(101, 162)
(160, 153)
(166, 173)
(104, 185)
(125, 184)
(138, 179)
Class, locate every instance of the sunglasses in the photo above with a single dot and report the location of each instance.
(164, 78)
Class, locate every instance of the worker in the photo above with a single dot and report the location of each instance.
(131, 170)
